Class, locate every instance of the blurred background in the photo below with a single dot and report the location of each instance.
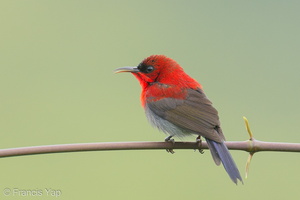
(57, 86)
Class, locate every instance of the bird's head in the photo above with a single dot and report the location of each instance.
(155, 68)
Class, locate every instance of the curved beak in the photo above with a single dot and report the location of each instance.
(126, 69)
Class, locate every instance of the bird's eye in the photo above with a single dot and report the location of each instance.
(149, 69)
(145, 68)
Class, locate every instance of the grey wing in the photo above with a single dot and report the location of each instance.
(194, 114)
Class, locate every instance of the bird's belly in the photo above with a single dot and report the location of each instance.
(164, 125)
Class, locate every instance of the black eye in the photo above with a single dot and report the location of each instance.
(149, 69)
(145, 68)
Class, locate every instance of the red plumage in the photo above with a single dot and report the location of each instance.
(171, 80)
(176, 104)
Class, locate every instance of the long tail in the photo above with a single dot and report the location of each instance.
(220, 154)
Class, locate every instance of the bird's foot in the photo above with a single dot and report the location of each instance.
(199, 141)
(170, 139)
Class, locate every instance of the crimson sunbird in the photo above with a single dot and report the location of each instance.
(176, 104)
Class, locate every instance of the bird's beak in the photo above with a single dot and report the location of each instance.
(126, 69)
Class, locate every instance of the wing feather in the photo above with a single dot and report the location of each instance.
(195, 114)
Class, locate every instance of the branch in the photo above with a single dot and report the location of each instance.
(252, 146)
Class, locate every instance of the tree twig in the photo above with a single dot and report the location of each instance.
(252, 146)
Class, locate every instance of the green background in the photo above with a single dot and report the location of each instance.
(57, 86)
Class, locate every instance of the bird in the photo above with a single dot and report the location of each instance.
(176, 104)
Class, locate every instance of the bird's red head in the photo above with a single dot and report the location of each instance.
(160, 69)
(161, 77)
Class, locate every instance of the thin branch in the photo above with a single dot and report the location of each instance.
(251, 146)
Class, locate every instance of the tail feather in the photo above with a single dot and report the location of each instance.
(220, 154)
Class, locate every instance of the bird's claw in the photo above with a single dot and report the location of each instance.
(199, 141)
(170, 139)
(170, 151)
